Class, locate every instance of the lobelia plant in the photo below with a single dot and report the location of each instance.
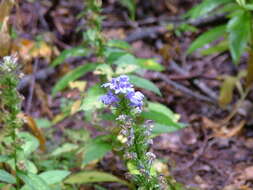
(126, 104)
(10, 107)
(17, 171)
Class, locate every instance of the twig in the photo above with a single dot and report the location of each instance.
(145, 32)
(187, 91)
(202, 86)
(141, 33)
(200, 152)
(40, 75)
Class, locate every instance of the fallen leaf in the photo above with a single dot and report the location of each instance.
(75, 107)
(34, 129)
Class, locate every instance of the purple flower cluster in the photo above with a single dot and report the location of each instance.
(122, 85)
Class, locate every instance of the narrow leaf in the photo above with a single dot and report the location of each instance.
(33, 182)
(73, 52)
(206, 38)
(72, 75)
(205, 7)
(145, 84)
(93, 177)
(54, 176)
(6, 177)
(239, 29)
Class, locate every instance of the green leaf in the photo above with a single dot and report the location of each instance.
(205, 7)
(118, 44)
(160, 108)
(65, 148)
(239, 29)
(4, 158)
(150, 64)
(126, 59)
(33, 182)
(206, 38)
(160, 118)
(144, 83)
(95, 150)
(165, 120)
(130, 5)
(91, 101)
(73, 52)
(43, 123)
(6, 177)
(93, 177)
(31, 143)
(161, 129)
(72, 75)
(219, 48)
(54, 176)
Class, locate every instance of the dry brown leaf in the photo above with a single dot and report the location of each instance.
(220, 129)
(29, 49)
(35, 130)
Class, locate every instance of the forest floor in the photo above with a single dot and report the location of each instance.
(211, 153)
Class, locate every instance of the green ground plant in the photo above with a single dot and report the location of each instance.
(234, 35)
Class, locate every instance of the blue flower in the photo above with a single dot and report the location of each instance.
(135, 98)
(120, 84)
(109, 99)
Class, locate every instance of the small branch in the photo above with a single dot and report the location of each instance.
(141, 33)
(187, 91)
(202, 86)
(40, 75)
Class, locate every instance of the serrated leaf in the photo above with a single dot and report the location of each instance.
(206, 38)
(54, 176)
(73, 52)
(93, 177)
(31, 143)
(6, 177)
(33, 182)
(95, 150)
(72, 75)
(144, 83)
(239, 29)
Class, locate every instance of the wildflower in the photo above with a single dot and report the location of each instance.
(109, 98)
(136, 99)
(122, 85)
(9, 64)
